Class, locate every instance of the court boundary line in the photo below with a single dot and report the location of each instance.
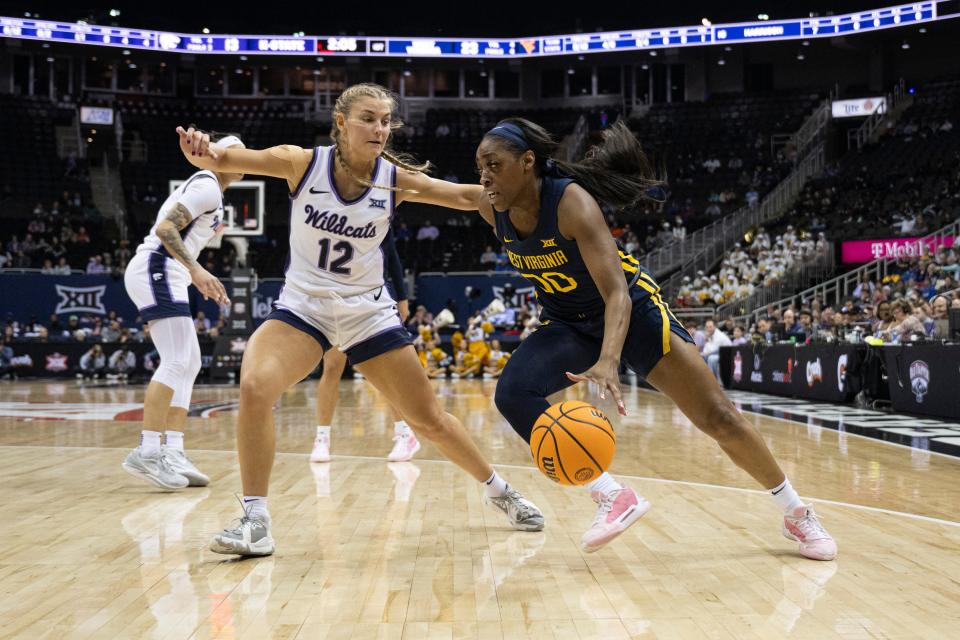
(800, 424)
(688, 483)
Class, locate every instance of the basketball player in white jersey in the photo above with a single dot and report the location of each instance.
(405, 443)
(342, 200)
(156, 280)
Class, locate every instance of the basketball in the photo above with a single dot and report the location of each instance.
(573, 442)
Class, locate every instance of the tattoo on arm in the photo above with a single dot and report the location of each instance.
(179, 218)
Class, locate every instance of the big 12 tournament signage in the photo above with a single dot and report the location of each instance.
(817, 372)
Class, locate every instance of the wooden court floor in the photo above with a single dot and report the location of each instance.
(367, 549)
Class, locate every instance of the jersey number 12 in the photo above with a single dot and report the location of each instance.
(337, 265)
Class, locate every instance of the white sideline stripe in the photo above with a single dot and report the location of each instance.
(800, 424)
(686, 483)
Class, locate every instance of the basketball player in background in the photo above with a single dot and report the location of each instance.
(156, 280)
(342, 200)
(405, 443)
(600, 308)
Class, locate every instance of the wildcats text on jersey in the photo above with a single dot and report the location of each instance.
(337, 224)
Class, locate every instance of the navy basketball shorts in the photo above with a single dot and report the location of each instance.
(538, 366)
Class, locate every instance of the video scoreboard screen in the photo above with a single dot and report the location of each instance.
(575, 44)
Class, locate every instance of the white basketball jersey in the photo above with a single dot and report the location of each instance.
(334, 242)
(202, 196)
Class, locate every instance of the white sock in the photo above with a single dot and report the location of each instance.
(785, 496)
(495, 486)
(256, 507)
(401, 428)
(174, 440)
(149, 443)
(323, 433)
(605, 484)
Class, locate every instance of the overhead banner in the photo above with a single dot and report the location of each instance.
(859, 108)
(861, 251)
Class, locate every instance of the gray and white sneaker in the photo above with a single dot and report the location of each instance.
(155, 468)
(522, 514)
(183, 465)
(251, 537)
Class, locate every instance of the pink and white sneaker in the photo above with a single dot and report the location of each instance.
(802, 525)
(616, 511)
(404, 447)
(321, 449)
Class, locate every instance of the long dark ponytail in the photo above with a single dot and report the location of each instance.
(616, 172)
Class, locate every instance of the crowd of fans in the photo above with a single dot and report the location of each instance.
(111, 332)
(911, 303)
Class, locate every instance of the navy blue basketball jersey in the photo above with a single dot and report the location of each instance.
(552, 263)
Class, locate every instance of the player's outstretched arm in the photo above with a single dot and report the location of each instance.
(286, 161)
(418, 187)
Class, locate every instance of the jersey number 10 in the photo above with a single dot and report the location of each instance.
(337, 265)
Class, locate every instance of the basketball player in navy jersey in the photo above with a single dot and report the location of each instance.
(405, 443)
(342, 200)
(601, 307)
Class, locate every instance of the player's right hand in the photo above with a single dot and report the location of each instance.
(209, 285)
(195, 143)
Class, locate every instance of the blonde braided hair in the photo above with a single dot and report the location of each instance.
(343, 106)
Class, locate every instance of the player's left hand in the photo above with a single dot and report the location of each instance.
(604, 375)
(403, 308)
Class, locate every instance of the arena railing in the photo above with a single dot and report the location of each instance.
(834, 291)
(727, 231)
(897, 101)
(822, 265)
(665, 259)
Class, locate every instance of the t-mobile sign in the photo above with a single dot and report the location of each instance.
(859, 251)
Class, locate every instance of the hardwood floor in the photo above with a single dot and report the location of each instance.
(367, 549)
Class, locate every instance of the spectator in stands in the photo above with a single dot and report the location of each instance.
(698, 336)
(489, 258)
(93, 363)
(111, 333)
(443, 130)
(5, 258)
(57, 250)
(418, 319)
(714, 338)
(805, 325)
(6, 359)
(202, 323)
(47, 268)
(905, 325)
(739, 336)
(941, 315)
(81, 237)
(122, 363)
(428, 232)
(95, 266)
(765, 330)
(62, 268)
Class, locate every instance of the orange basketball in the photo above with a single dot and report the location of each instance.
(573, 442)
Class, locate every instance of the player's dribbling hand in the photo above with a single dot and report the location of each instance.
(209, 285)
(605, 376)
(196, 143)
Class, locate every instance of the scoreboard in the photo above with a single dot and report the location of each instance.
(409, 47)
